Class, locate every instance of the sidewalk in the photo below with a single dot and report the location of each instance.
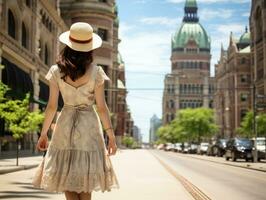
(259, 166)
(141, 176)
(8, 165)
(139, 173)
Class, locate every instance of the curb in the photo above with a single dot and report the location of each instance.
(17, 168)
(230, 164)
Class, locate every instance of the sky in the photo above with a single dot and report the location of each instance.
(146, 28)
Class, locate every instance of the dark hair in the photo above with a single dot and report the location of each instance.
(74, 63)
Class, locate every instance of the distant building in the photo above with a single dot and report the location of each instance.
(137, 134)
(155, 123)
(233, 80)
(189, 84)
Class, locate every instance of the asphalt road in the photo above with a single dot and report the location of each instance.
(217, 181)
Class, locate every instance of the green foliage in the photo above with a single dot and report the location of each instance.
(129, 142)
(19, 120)
(246, 126)
(189, 125)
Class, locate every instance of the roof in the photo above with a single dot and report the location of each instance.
(245, 38)
(191, 30)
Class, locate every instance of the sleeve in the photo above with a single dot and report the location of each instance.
(51, 76)
(101, 76)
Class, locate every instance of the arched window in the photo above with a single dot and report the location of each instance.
(172, 116)
(46, 55)
(40, 48)
(24, 36)
(11, 24)
(28, 3)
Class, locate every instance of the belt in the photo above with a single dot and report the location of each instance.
(75, 118)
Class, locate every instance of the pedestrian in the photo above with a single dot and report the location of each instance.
(77, 160)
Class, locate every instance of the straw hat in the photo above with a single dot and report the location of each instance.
(80, 37)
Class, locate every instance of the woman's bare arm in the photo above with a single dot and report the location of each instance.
(103, 110)
(50, 108)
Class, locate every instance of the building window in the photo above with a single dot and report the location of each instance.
(103, 1)
(243, 60)
(40, 49)
(243, 114)
(28, 3)
(171, 104)
(103, 33)
(172, 116)
(46, 55)
(244, 78)
(243, 97)
(11, 24)
(24, 37)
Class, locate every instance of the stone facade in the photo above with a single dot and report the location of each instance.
(233, 80)
(257, 22)
(28, 46)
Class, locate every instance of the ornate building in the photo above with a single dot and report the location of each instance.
(257, 22)
(28, 46)
(29, 31)
(233, 79)
(189, 84)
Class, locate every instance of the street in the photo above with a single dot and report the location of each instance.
(217, 181)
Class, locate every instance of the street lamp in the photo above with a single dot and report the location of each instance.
(255, 159)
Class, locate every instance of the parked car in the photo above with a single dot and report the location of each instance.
(261, 148)
(185, 147)
(193, 148)
(239, 148)
(218, 148)
(161, 146)
(202, 148)
(178, 147)
(169, 147)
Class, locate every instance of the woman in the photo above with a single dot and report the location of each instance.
(77, 161)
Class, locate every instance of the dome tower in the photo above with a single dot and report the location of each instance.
(189, 84)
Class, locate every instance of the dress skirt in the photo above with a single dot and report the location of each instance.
(76, 159)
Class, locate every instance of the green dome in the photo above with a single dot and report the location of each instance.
(191, 3)
(245, 38)
(189, 31)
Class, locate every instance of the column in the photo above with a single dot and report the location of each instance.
(177, 92)
(206, 92)
(36, 87)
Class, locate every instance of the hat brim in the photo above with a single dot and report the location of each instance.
(85, 47)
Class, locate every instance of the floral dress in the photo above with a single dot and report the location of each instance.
(76, 157)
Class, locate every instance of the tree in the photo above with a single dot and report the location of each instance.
(189, 125)
(19, 120)
(128, 141)
(246, 126)
(197, 123)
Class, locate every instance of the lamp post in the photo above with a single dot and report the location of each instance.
(255, 159)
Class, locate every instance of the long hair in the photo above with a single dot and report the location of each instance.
(74, 63)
